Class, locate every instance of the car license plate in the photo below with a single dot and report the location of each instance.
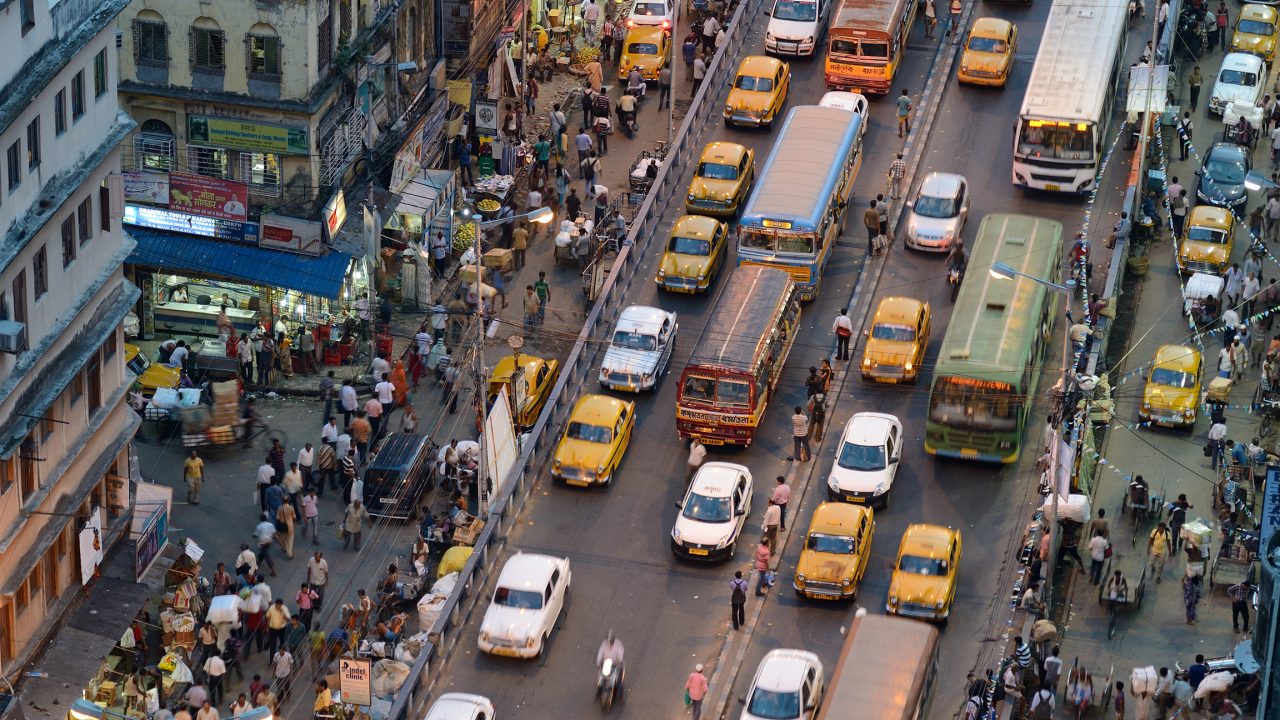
(968, 453)
(1054, 188)
(705, 440)
(697, 551)
(506, 651)
(389, 501)
(577, 481)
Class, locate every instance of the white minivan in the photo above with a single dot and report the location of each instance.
(795, 26)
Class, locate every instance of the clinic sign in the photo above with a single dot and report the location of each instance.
(250, 136)
(208, 196)
(356, 681)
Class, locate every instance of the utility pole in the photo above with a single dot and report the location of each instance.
(477, 368)
(1148, 127)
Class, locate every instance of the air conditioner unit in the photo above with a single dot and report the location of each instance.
(13, 337)
(439, 76)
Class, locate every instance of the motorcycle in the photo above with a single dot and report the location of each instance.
(637, 92)
(628, 122)
(954, 277)
(610, 682)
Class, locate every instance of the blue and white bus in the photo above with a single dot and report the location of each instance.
(797, 207)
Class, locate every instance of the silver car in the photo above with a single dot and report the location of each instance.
(938, 212)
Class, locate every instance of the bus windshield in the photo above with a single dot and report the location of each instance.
(864, 49)
(974, 404)
(773, 241)
(795, 11)
(717, 392)
(1059, 142)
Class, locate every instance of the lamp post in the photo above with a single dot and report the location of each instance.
(1254, 181)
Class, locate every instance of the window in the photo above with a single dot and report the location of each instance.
(20, 297)
(324, 44)
(151, 43)
(51, 575)
(77, 387)
(84, 220)
(109, 346)
(100, 74)
(14, 160)
(153, 150)
(207, 48)
(60, 112)
(77, 96)
(20, 598)
(213, 162)
(263, 52)
(40, 273)
(33, 144)
(36, 580)
(344, 21)
(93, 376)
(28, 477)
(68, 241)
(261, 171)
(28, 15)
(104, 207)
(8, 474)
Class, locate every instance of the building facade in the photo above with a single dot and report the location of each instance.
(64, 432)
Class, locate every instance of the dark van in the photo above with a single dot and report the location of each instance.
(400, 472)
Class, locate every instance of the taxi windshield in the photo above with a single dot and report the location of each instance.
(589, 433)
(642, 49)
(836, 544)
(1256, 27)
(1243, 78)
(707, 509)
(898, 333)
(1173, 378)
(522, 599)
(717, 171)
(634, 341)
(1200, 233)
(754, 84)
(922, 565)
(689, 246)
(991, 45)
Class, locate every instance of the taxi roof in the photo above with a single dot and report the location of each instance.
(717, 479)
(695, 226)
(837, 517)
(720, 151)
(528, 570)
(645, 33)
(1176, 357)
(991, 27)
(1257, 12)
(1210, 215)
(903, 310)
(759, 65)
(502, 369)
(597, 408)
(926, 540)
(641, 319)
(1241, 61)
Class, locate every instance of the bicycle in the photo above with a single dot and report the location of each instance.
(258, 429)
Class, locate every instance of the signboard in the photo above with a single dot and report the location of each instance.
(90, 543)
(409, 158)
(150, 542)
(251, 136)
(1271, 505)
(355, 679)
(487, 117)
(335, 213)
(208, 196)
(152, 187)
(290, 235)
(161, 219)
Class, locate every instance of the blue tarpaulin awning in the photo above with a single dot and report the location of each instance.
(320, 276)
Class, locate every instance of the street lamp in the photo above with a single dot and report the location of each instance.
(1254, 180)
(1004, 271)
(542, 216)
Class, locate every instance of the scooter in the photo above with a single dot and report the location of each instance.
(954, 277)
(610, 682)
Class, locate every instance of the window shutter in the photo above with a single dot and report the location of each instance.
(192, 34)
(248, 55)
(137, 39)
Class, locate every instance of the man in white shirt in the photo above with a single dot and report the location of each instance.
(241, 705)
(266, 474)
(1043, 696)
(318, 576)
(386, 394)
(246, 561)
(348, 400)
(306, 459)
(343, 444)
(215, 668)
(772, 517)
(329, 433)
(843, 329)
(178, 358)
(1217, 440)
(379, 366)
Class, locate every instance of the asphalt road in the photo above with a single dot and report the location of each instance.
(671, 614)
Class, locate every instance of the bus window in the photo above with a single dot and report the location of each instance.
(755, 238)
(699, 389)
(976, 405)
(844, 47)
(874, 50)
(793, 243)
(733, 392)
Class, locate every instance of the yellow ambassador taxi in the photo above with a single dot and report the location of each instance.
(924, 575)
(722, 179)
(695, 253)
(759, 91)
(528, 394)
(1173, 387)
(150, 376)
(646, 47)
(1256, 31)
(897, 340)
(1207, 240)
(594, 441)
(837, 547)
(988, 52)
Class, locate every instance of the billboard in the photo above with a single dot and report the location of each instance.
(335, 214)
(161, 219)
(290, 235)
(251, 136)
(151, 187)
(208, 196)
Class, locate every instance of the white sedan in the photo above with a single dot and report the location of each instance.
(787, 686)
(713, 511)
(1241, 78)
(640, 349)
(527, 601)
(855, 103)
(864, 468)
(460, 706)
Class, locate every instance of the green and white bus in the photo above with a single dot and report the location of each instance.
(985, 380)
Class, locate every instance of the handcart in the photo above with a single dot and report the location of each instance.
(1234, 482)
(644, 170)
(1202, 298)
(1243, 123)
(1235, 563)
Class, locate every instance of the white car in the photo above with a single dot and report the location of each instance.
(864, 468)
(640, 350)
(855, 103)
(938, 212)
(652, 12)
(1241, 78)
(795, 27)
(787, 686)
(460, 706)
(713, 512)
(527, 601)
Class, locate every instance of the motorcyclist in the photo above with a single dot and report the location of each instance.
(627, 113)
(610, 649)
(635, 83)
(957, 259)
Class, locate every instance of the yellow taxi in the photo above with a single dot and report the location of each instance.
(1207, 240)
(924, 575)
(897, 340)
(696, 251)
(837, 546)
(1256, 31)
(646, 47)
(759, 91)
(149, 376)
(528, 391)
(722, 179)
(988, 52)
(594, 441)
(1173, 387)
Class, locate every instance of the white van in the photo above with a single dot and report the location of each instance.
(795, 26)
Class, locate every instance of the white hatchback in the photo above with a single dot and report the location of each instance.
(640, 349)
(528, 599)
(938, 212)
(795, 27)
(864, 468)
(788, 686)
(460, 706)
(855, 103)
(713, 512)
(651, 12)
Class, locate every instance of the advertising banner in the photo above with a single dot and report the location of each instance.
(208, 196)
(251, 136)
(290, 235)
(161, 219)
(152, 187)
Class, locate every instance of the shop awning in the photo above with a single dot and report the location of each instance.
(424, 195)
(321, 276)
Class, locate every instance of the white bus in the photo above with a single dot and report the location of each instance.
(1062, 128)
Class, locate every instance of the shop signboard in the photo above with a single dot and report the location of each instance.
(409, 158)
(355, 680)
(90, 543)
(208, 196)
(1271, 505)
(250, 136)
(293, 235)
(151, 187)
(150, 542)
(335, 214)
(161, 219)
(487, 117)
